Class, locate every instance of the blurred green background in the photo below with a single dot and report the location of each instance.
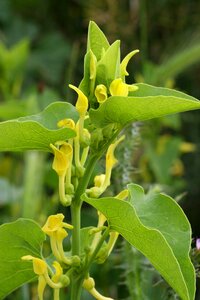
(42, 47)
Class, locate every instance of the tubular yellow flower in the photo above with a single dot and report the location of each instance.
(67, 123)
(120, 88)
(62, 157)
(101, 93)
(41, 287)
(103, 181)
(39, 268)
(58, 272)
(125, 62)
(82, 102)
(110, 158)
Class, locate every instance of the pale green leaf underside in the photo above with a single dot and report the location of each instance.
(147, 103)
(38, 131)
(151, 241)
(23, 237)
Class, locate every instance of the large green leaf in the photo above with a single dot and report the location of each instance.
(147, 103)
(157, 227)
(97, 41)
(37, 131)
(17, 239)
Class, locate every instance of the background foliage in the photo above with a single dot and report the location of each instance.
(42, 45)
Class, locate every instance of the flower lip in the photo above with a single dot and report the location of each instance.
(55, 223)
(39, 265)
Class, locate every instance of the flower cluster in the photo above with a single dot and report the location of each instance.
(53, 276)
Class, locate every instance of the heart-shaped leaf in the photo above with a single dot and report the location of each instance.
(19, 238)
(158, 228)
(37, 131)
(147, 103)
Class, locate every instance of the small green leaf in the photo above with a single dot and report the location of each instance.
(147, 103)
(19, 238)
(108, 68)
(97, 41)
(85, 82)
(159, 229)
(37, 131)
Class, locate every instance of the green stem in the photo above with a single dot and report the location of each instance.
(96, 250)
(76, 283)
(76, 286)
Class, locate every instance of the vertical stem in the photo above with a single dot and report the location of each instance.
(76, 286)
(76, 221)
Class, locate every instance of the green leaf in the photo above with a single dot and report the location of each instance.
(37, 131)
(158, 228)
(19, 238)
(108, 68)
(97, 41)
(147, 103)
(162, 213)
(85, 82)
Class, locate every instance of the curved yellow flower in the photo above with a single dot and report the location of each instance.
(120, 88)
(66, 123)
(62, 157)
(101, 93)
(125, 62)
(82, 101)
(54, 223)
(58, 272)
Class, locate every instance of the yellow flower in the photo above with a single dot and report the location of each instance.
(39, 268)
(67, 123)
(120, 88)
(58, 272)
(82, 102)
(101, 93)
(99, 180)
(125, 61)
(39, 265)
(54, 223)
(62, 157)
(110, 158)
(186, 147)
